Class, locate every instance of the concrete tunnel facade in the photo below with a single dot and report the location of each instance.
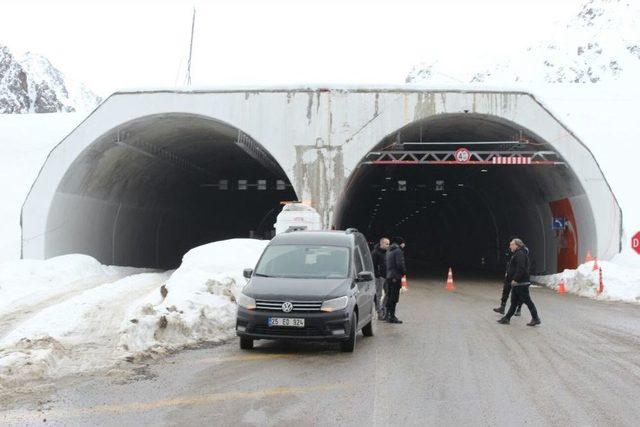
(150, 174)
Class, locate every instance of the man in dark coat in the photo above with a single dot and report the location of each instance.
(379, 257)
(506, 289)
(518, 274)
(395, 270)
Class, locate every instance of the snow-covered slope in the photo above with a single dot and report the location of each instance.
(601, 43)
(31, 84)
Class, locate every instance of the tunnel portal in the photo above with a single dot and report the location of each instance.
(458, 187)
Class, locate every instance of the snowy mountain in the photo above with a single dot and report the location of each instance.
(31, 84)
(600, 43)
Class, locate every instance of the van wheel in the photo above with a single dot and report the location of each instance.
(246, 343)
(369, 328)
(349, 345)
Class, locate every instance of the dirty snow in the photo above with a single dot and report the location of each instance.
(70, 314)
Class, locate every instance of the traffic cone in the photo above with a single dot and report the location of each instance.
(403, 282)
(561, 288)
(600, 282)
(450, 286)
(588, 257)
(595, 264)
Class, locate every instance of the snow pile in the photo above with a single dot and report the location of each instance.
(198, 301)
(620, 282)
(70, 314)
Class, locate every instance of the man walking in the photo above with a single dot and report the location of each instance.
(379, 256)
(395, 270)
(518, 275)
(506, 289)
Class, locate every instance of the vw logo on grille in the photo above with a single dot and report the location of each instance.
(287, 307)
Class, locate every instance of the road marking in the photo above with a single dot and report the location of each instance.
(246, 358)
(16, 416)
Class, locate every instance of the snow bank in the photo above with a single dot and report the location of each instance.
(25, 142)
(70, 314)
(621, 282)
(198, 301)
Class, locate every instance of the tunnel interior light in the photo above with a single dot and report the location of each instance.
(484, 170)
(460, 185)
(444, 194)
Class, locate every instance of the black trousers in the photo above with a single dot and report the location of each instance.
(393, 286)
(506, 290)
(520, 295)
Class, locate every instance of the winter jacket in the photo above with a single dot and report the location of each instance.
(518, 267)
(395, 262)
(379, 257)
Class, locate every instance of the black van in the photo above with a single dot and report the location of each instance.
(310, 285)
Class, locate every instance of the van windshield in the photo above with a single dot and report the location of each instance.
(304, 261)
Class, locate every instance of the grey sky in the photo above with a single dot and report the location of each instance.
(116, 44)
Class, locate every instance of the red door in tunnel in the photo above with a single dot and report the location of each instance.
(567, 239)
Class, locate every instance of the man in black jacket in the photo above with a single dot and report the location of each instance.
(395, 270)
(506, 289)
(518, 274)
(379, 257)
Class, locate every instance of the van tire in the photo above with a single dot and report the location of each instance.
(349, 345)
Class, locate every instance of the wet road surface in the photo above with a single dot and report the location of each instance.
(450, 363)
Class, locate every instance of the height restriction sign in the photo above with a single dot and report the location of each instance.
(635, 242)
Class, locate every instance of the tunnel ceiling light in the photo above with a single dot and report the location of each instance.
(388, 178)
(484, 170)
(460, 185)
(433, 202)
(444, 194)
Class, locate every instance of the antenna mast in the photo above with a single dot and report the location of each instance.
(193, 24)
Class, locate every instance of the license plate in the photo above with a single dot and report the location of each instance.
(286, 321)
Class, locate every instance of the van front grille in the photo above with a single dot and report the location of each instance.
(297, 305)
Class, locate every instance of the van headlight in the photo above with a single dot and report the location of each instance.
(246, 302)
(335, 304)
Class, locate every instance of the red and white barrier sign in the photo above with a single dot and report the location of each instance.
(635, 242)
(500, 160)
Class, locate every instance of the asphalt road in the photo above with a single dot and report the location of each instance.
(449, 364)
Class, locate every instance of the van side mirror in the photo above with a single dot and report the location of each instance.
(247, 273)
(365, 276)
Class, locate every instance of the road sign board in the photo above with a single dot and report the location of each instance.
(635, 242)
(462, 155)
(559, 223)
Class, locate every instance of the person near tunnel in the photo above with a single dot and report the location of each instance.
(506, 289)
(379, 256)
(396, 268)
(518, 274)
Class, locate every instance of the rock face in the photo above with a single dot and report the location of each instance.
(600, 43)
(31, 84)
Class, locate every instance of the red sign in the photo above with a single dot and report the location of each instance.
(635, 242)
(462, 155)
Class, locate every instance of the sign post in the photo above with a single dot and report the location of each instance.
(635, 242)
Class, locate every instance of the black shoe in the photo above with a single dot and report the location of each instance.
(503, 321)
(517, 313)
(394, 319)
(534, 322)
(499, 309)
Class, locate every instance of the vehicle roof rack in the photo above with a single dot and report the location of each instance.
(351, 230)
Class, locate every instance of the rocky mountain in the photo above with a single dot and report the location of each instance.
(31, 84)
(600, 43)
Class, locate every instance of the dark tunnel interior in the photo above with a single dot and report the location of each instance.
(461, 215)
(145, 193)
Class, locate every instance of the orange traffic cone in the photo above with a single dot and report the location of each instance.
(403, 282)
(595, 264)
(588, 257)
(561, 288)
(450, 286)
(600, 283)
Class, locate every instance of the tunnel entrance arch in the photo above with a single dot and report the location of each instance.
(147, 191)
(463, 213)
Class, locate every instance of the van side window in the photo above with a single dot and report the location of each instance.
(366, 254)
(358, 267)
